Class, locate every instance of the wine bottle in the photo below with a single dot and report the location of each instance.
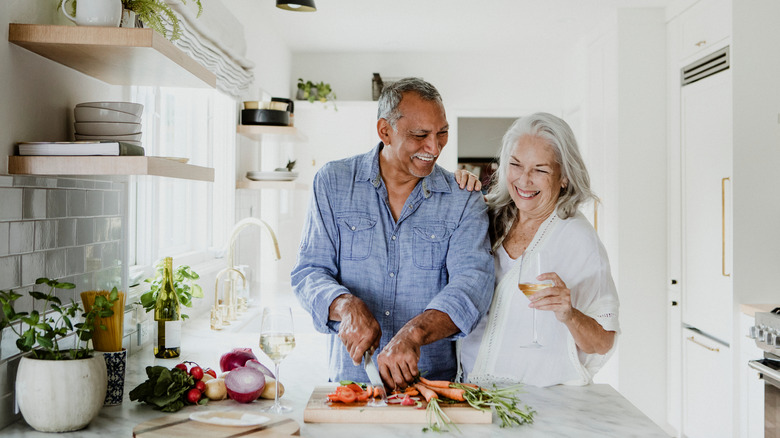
(166, 316)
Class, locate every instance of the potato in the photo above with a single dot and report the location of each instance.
(216, 389)
(270, 389)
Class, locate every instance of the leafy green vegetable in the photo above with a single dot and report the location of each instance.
(164, 389)
(436, 418)
(503, 400)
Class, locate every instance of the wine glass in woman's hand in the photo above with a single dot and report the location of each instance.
(530, 269)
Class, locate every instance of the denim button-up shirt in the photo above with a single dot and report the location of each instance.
(436, 256)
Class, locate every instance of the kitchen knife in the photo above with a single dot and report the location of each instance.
(376, 380)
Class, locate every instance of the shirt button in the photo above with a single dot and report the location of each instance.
(392, 275)
(353, 228)
(433, 236)
(393, 237)
(387, 313)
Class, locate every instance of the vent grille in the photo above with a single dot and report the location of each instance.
(705, 67)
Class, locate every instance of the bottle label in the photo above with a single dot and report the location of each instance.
(172, 334)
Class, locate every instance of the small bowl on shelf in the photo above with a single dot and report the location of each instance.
(90, 114)
(130, 137)
(126, 107)
(107, 128)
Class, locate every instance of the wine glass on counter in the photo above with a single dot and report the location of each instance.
(277, 340)
(529, 285)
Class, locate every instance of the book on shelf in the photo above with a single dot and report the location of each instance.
(80, 148)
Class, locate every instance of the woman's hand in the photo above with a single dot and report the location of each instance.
(588, 334)
(467, 180)
(556, 298)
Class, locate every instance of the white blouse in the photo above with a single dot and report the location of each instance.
(493, 353)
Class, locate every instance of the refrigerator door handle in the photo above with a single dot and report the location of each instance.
(692, 339)
(723, 224)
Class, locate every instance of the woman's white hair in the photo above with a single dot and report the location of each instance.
(560, 137)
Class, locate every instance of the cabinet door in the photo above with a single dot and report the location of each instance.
(707, 401)
(703, 26)
(706, 147)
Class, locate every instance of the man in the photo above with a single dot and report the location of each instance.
(394, 256)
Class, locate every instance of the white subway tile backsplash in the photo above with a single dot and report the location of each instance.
(85, 231)
(33, 267)
(74, 261)
(114, 228)
(56, 265)
(45, 235)
(94, 206)
(111, 203)
(77, 203)
(102, 226)
(21, 237)
(56, 203)
(8, 344)
(34, 204)
(4, 233)
(66, 233)
(10, 272)
(11, 200)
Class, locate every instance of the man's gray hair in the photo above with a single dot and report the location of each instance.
(556, 133)
(392, 94)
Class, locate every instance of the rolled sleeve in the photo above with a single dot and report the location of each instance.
(470, 268)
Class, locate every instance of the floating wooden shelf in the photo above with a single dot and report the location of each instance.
(256, 132)
(158, 166)
(118, 56)
(277, 185)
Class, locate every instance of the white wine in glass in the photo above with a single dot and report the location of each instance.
(529, 285)
(277, 340)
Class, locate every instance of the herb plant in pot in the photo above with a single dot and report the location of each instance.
(58, 388)
(155, 14)
(311, 91)
(183, 281)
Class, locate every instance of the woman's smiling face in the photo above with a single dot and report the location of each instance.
(534, 177)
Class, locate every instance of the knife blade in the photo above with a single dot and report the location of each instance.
(376, 380)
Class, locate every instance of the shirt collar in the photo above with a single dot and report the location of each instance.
(369, 171)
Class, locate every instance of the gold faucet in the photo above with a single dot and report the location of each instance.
(222, 314)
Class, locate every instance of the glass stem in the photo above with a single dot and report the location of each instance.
(276, 388)
(535, 342)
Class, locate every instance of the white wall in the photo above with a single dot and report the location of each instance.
(38, 95)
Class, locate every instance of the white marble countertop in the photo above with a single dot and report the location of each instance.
(590, 411)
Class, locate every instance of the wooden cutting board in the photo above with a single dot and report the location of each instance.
(320, 410)
(180, 425)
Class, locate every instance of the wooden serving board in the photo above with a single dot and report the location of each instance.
(320, 410)
(180, 425)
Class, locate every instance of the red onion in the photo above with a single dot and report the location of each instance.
(245, 384)
(254, 363)
(235, 358)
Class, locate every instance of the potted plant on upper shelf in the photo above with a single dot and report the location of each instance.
(58, 388)
(311, 91)
(154, 14)
(183, 281)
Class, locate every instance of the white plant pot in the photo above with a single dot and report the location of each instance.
(60, 395)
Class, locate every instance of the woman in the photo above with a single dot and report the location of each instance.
(540, 183)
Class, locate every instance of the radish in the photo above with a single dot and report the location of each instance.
(245, 384)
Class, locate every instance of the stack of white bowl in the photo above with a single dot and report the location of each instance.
(108, 121)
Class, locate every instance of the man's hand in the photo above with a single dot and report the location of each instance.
(398, 360)
(359, 330)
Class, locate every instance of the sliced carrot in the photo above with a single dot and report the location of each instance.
(451, 393)
(426, 392)
(411, 390)
(435, 383)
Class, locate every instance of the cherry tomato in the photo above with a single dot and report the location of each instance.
(196, 372)
(182, 366)
(200, 385)
(193, 395)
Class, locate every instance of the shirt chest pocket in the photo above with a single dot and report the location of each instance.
(356, 232)
(430, 245)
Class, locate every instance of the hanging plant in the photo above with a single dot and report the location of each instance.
(156, 14)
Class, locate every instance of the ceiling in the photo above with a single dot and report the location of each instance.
(440, 25)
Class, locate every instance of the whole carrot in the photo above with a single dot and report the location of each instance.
(451, 393)
(426, 392)
(435, 383)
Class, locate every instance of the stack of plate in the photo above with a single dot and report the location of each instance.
(108, 121)
(256, 175)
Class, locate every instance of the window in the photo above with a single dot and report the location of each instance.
(176, 217)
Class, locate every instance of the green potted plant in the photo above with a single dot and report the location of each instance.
(311, 91)
(43, 334)
(183, 281)
(154, 14)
